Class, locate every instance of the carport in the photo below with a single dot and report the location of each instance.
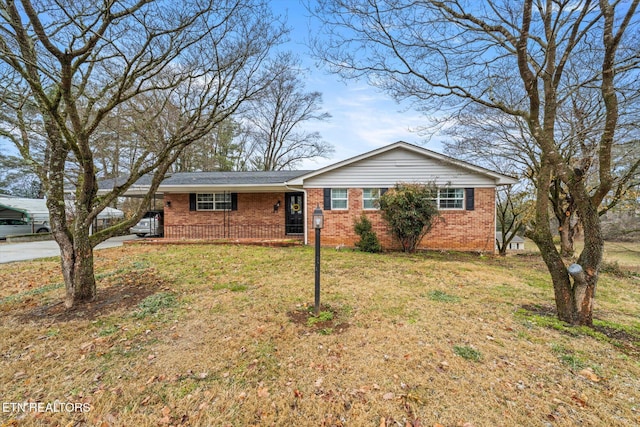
(31, 210)
(36, 212)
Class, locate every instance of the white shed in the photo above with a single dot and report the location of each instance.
(516, 244)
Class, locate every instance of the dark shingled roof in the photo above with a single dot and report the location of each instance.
(214, 178)
(232, 178)
(516, 238)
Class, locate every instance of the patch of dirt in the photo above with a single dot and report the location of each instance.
(110, 299)
(540, 310)
(333, 326)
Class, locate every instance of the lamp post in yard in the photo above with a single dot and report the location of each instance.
(318, 223)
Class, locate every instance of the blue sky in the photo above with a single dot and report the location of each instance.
(363, 118)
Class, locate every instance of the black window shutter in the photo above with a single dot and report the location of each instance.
(327, 199)
(383, 190)
(234, 201)
(469, 199)
(192, 201)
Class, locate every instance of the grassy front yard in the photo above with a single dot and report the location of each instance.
(223, 335)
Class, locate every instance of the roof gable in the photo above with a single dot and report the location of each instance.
(401, 162)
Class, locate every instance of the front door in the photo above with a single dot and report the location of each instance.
(294, 217)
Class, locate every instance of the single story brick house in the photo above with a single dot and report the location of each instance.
(279, 204)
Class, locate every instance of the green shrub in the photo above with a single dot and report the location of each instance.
(410, 211)
(368, 239)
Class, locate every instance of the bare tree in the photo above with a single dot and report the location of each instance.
(448, 55)
(275, 120)
(504, 143)
(66, 66)
(513, 209)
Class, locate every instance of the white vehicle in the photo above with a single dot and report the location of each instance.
(14, 227)
(151, 224)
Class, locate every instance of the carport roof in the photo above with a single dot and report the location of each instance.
(30, 207)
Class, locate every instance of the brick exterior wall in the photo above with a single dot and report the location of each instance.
(253, 218)
(459, 230)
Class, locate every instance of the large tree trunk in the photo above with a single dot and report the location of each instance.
(589, 260)
(574, 287)
(76, 249)
(543, 238)
(562, 288)
(77, 270)
(574, 301)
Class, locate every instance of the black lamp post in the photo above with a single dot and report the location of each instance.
(318, 223)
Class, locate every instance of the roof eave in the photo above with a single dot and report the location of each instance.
(506, 180)
(236, 188)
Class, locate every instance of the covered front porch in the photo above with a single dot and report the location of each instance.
(234, 215)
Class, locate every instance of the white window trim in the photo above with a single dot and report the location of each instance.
(438, 199)
(215, 203)
(373, 199)
(333, 208)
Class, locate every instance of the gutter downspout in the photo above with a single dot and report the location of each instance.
(495, 220)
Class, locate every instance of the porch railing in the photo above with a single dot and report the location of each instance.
(213, 232)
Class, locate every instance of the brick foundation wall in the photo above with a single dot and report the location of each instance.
(459, 230)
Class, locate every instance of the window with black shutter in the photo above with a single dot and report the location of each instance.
(327, 199)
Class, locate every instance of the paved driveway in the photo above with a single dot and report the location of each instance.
(10, 252)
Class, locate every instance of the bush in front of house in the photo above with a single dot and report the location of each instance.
(410, 211)
(368, 238)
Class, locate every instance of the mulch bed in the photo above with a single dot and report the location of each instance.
(301, 318)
